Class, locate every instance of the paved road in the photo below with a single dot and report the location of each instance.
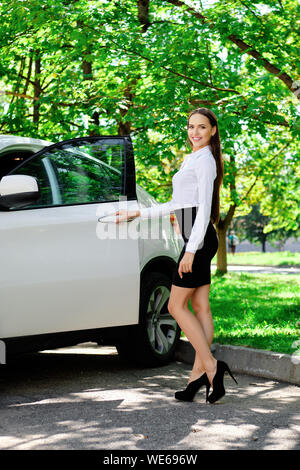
(261, 269)
(86, 399)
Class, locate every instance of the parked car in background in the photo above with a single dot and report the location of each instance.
(62, 282)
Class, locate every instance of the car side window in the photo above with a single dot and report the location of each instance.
(11, 159)
(78, 172)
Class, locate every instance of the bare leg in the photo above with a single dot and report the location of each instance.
(201, 307)
(192, 328)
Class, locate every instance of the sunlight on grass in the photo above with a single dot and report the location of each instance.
(276, 258)
(256, 310)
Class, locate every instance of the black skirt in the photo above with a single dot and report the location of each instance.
(201, 274)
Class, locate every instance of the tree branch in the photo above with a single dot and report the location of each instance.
(253, 13)
(27, 79)
(28, 76)
(221, 103)
(246, 48)
(193, 102)
(262, 170)
(37, 88)
(204, 84)
(17, 36)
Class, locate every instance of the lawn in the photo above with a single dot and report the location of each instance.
(256, 310)
(277, 258)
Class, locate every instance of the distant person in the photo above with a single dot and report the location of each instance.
(232, 241)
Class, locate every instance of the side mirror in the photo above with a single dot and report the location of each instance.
(18, 191)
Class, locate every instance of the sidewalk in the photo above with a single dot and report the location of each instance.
(256, 362)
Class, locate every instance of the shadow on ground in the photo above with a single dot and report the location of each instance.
(93, 401)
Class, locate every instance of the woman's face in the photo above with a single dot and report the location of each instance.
(200, 131)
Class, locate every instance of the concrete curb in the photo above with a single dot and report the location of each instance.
(257, 362)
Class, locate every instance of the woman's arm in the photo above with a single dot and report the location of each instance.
(146, 212)
(157, 210)
(206, 173)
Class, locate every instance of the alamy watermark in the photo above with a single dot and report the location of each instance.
(181, 220)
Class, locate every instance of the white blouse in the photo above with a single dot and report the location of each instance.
(192, 185)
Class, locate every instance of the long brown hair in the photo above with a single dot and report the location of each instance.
(215, 143)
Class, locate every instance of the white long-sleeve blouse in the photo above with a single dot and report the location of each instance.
(193, 185)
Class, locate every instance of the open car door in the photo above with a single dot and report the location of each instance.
(60, 272)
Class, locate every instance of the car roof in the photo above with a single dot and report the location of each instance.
(15, 142)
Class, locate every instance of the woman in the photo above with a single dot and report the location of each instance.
(195, 201)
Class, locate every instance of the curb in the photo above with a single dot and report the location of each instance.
(257, 362)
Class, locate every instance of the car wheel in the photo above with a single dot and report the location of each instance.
(154, 341)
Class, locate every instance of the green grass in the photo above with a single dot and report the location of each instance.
(256, 310)
(277, 258)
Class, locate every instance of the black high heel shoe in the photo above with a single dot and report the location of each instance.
(192, 388)
(218, 385)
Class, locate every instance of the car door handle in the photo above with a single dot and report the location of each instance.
(108, 218)
(111, 218)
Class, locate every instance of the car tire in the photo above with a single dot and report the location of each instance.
(153, 342)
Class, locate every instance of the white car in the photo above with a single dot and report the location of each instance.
(69, 275)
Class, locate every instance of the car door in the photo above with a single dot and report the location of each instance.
(60, 272)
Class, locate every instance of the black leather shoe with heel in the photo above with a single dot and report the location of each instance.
(217, 383)
(192, 388)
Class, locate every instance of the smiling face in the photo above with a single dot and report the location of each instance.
(200, 131)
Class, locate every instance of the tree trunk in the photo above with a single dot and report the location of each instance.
(28, 76)
(264, 240)
(222, 227)
(37, 89)
(87, 69)
(124, 128)
(222, 251)
(281, 245)
(143, 14)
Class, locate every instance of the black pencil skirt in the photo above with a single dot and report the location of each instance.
(201, 273)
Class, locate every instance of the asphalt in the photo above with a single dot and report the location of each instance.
(85, 398)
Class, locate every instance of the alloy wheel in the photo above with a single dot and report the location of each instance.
(161, 326)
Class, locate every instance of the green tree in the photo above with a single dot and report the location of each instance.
(72, 68)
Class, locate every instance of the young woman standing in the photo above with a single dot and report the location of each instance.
(196, 203)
